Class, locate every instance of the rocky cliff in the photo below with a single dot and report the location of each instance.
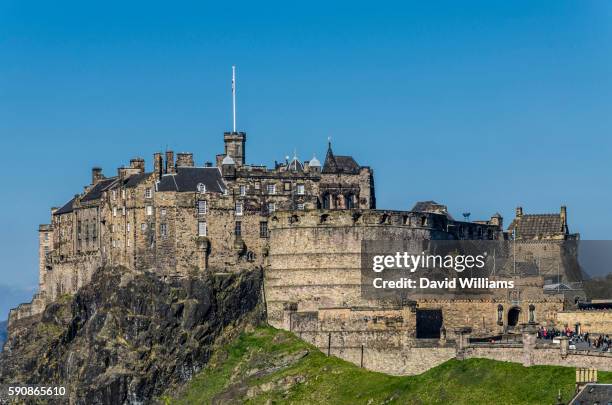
(126, 337)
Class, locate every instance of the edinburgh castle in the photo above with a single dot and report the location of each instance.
(303, 223)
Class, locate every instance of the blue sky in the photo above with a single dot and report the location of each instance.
(482, 106)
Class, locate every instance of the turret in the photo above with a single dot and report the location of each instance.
(235, 146)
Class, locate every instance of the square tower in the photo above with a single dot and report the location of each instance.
(234, 146)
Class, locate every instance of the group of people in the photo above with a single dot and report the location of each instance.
(550, 333)
(601, 342)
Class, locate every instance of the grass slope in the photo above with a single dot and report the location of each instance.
(268, 366)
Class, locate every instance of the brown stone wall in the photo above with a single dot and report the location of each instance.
(594, 322)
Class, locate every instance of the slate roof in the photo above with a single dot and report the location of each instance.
(593, 393)
(339, 164)
(534, 225)
(187, 179)
(97, 190)
(135, 179)
(66, 208)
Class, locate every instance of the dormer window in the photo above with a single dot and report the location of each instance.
(201, 188)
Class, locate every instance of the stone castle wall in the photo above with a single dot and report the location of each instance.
(595, 322)
(315, 257)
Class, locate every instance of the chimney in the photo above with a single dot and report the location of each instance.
(96, 174)
(208, 163)
(519, 212)
(157, 164)
(122, 172)
(138, 163)
(170, 162)
(184, 159)
(563, 218)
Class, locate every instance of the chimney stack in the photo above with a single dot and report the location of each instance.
(157, 164)
(519, 212)
(170, 162)
(184, 159)
(96, 174)
(138, 163)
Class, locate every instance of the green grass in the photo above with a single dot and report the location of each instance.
(318, 379)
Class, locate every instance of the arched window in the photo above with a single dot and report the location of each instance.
(531, 313)
(348, 203)
(325, 199)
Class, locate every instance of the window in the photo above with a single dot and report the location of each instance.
(238, 228)
(271, 207)
(300, 189)
(128, 242)
(46, 237)
(123, 194)
(143, 227)
(326, 199)
(238, 208)
(257, 185)
(163, 212)
(242, 190)
(202, 228)
(201, 188)
(114, 211)
(163, 230)
(202, 207)
(112, 228)
(123, 209)
(271, 188)
(114, 195)
(287, 186)
(300, 206)
(263, 229)
(348, 202)
(128, 227)
(149, 210)
(148, 192)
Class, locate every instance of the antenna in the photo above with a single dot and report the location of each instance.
(234, 95)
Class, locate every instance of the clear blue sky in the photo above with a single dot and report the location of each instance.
(476, 105)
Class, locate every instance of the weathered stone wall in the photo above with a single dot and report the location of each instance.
(315, 256)
(594, 322)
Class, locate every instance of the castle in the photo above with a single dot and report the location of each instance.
(303, 223)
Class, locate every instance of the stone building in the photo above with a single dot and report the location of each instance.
(303, 222)
(180, 217)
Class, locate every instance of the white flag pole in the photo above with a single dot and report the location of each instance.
(234, 95)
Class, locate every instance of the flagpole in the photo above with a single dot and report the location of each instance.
(234, 95)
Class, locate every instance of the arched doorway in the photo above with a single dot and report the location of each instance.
(513, 316)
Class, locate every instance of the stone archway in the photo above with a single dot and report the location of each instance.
(513, 316)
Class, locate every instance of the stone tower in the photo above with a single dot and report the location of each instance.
(234, 146)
